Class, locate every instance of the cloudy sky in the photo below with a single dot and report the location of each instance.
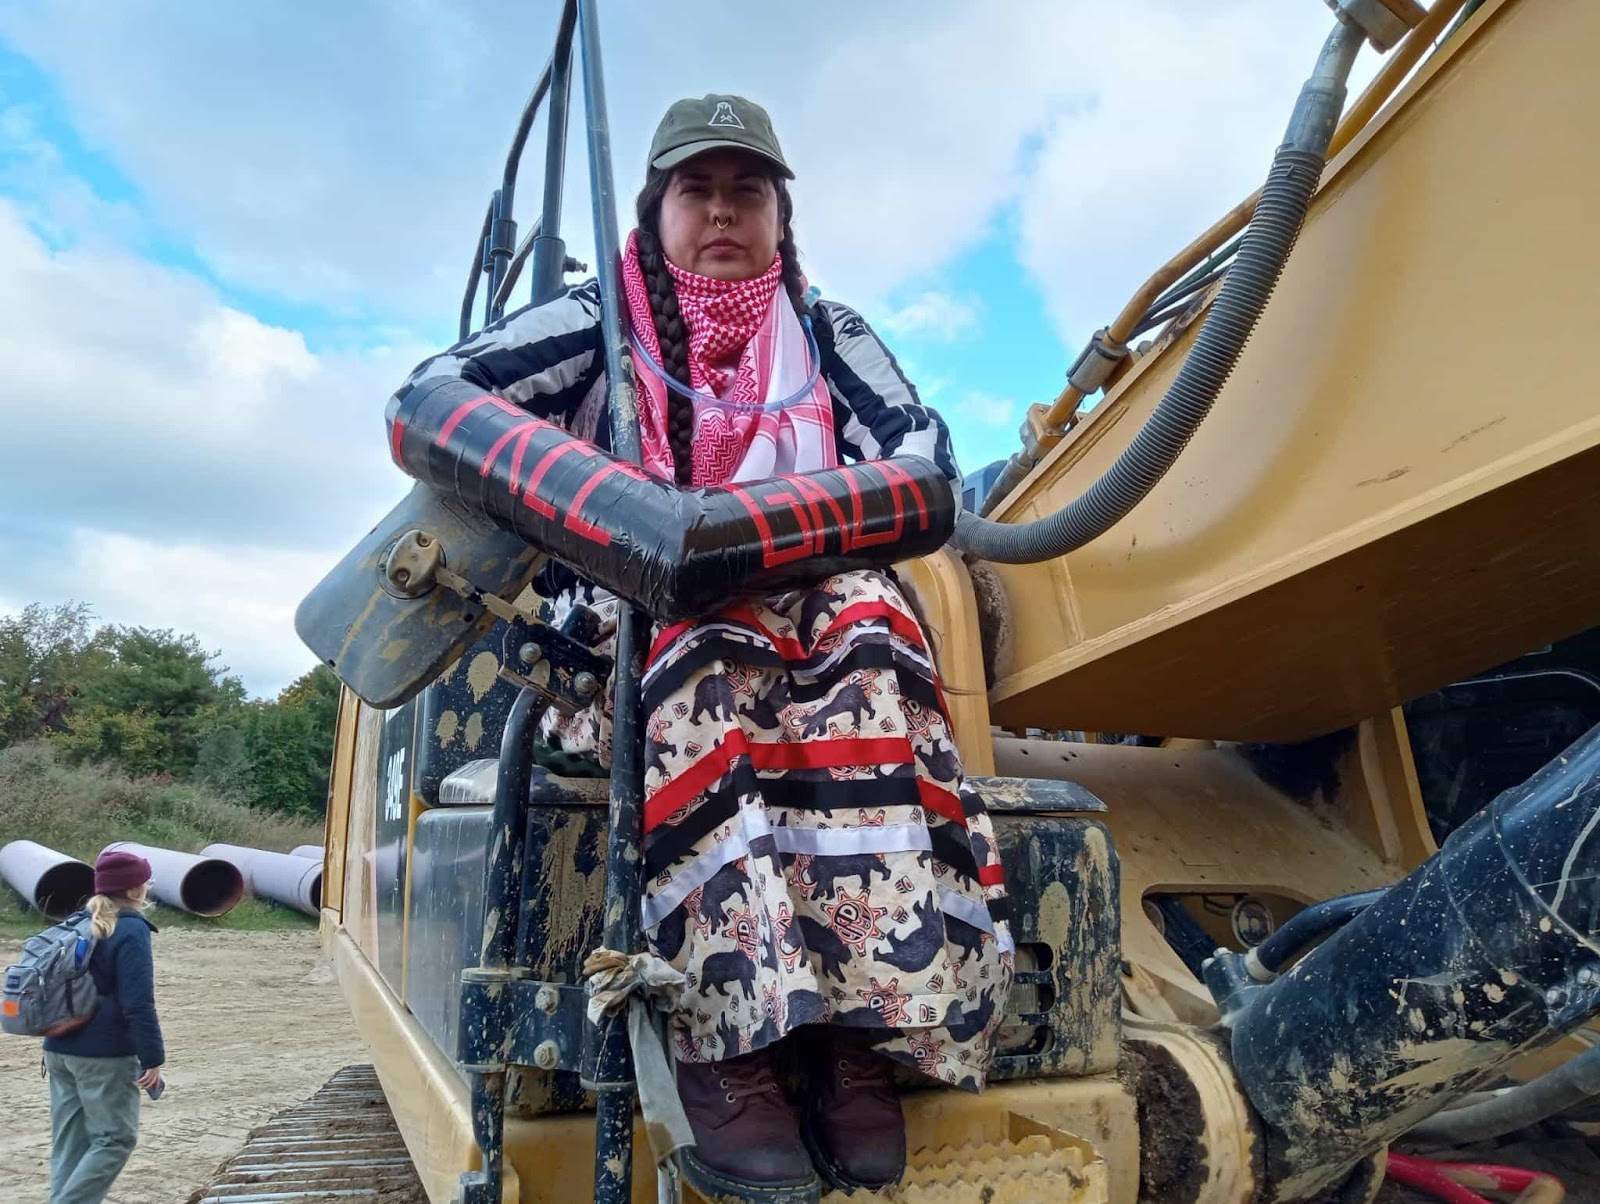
(227, 231)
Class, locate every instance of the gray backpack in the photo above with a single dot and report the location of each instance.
(50, 992)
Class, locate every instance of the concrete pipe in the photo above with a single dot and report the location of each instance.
(202, 886)
(55, 884)
(313, 851)
(282, 877)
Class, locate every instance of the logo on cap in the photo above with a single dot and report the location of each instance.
(725, 116)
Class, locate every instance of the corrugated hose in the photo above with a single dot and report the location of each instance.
(1285, 198)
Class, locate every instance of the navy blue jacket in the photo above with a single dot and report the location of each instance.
(125, 1022)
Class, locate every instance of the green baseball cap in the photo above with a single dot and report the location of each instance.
(692, 127)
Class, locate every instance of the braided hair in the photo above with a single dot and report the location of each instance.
(671, 333)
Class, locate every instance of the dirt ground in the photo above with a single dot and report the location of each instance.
(253, 1022)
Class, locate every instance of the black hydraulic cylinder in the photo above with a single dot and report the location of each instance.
(675, 552)
(1485, 951)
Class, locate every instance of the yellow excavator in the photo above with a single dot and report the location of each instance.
(1276, 666)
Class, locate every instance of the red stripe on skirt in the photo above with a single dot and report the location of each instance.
(811, 754)
(900, 623)
(941, 802)
(832, 754)
(991, 875)
(667, 635)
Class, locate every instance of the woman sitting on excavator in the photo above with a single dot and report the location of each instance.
(814, 862)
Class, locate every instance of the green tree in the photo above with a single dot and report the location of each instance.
(131, 740)
(284, 768)
(154, 703)
(164, 680)
(290, 744)
(45, 654)
(223, 763)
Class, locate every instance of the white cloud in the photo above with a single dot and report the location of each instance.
(34, 174)
(912, 126)
(133, 394)
(989, 410)
(173, 461)
(936, 316)
(1185, 118)
(237, 599)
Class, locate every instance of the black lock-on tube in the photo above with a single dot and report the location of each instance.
(675, 552)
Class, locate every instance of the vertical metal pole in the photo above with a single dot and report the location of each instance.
(488, 1094)
(497, 251)
(611, 1066)
(549, 248)
(619, 364)
(478, 260)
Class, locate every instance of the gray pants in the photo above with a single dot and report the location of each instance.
(94, 1122)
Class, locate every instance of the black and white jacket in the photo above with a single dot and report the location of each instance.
(548, 360)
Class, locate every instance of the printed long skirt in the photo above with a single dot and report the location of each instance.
(811, 852)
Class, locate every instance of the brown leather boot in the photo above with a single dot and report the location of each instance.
(747, 1138)
(853, 1124)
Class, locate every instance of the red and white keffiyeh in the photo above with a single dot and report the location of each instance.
(747, 351)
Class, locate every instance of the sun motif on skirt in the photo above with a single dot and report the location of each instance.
(855, 920)
(792, 952)
(745, 930)
(886, 1000)
(927, 1051)
(772, 1003)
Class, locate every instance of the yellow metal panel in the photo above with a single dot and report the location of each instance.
(1200, 821)
(360, 885)
(336, 823)
(944, 595)
(555, 1155)
(1401, 483)
(1381, 794)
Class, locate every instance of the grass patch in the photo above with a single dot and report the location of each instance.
(78, 810)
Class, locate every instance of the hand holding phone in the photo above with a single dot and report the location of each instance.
(152, 1082)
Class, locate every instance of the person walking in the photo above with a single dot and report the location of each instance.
(97, 1071)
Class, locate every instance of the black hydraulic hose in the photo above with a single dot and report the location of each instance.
(1160, 317)
(1285, 198)
(1304, 929)
(1575, 1081)
(1214, 265)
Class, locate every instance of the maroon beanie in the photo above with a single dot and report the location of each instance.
(116, 872)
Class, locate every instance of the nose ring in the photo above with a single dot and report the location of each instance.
(722, 223)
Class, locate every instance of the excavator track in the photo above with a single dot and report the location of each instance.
(341, 1144)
